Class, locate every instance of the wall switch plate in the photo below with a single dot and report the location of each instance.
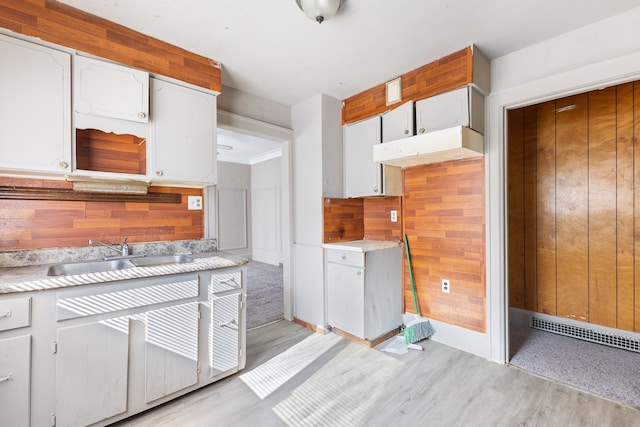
(394, 216)
(194, 203)
(446, 286)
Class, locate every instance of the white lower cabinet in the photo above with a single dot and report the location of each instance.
(15, 381)
(364, 291)
(91, 372)
(171, 346)
(224, 338)
(226, 335)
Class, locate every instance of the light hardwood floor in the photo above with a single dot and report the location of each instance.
(296, 378)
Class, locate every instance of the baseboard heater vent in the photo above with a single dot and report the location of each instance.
(586, 334)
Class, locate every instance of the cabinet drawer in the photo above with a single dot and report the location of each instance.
(346, 257)
(225, 282)
(90, 303)
(15, 313)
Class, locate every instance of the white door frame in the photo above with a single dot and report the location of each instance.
(582, 79)
(257, 128)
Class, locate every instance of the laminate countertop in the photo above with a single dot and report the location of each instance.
(35, 278)
(362, 245)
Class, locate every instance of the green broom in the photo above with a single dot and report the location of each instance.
(416, 330)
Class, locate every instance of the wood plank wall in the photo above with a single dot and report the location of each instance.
(110, 152)
(63, 25)
(444, 219)
(448, 73)
(342, 220)
(573, 198)
(33, 224)
(355, 219)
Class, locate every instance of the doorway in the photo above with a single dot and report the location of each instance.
(572, 256)
(252, 200)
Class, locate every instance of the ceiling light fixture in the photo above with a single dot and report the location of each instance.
(320, 10)
(225, 147)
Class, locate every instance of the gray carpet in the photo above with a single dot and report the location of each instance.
(606, 371)
(265, 303)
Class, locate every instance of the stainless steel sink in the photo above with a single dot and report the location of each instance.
(89, 267)
(154, 261)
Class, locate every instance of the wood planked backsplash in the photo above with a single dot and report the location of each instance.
(355, 219)
(444, 218)
(33, 224)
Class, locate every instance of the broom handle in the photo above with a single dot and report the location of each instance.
(413, 285)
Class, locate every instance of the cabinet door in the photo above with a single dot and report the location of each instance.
(183, 146)
(398, 123)
(91, 372)
(224, 335)
(345, 298)
(110, 90)
(15, 358)
(171, 350)
(443, 111)
(363, 177)
(35, 123)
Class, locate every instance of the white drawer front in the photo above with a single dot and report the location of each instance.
(346, 257)
(15, 313)
(225, 282)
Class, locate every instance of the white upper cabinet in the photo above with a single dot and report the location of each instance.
(110, 90)
(398, 123)
(460, 107)
(182, 134)
(363, 177)
(35, 122)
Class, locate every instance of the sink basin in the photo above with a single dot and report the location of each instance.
(154, 261)
(89, 267)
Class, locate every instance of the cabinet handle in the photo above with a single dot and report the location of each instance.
(375, 189)
(359, 273)
(9, 377)
(141, 115)
(6, 315)
(231, 282)
(406, 131)
(421, 130)
(344, 257)
(159, 173)
(227, 324)
(63, 165)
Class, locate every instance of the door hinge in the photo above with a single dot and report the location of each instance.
(198, 368)
(53, 419)
(241, 304)
(54, 347)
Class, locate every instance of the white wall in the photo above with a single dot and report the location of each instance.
(254, 107)
(266, 220)
(233, 178)
(598, 55)
(317, 172)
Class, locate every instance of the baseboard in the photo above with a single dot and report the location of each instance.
(463, 339)
(366, 343)
(309, 326)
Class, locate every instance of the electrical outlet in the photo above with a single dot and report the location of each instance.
(394, 216)
(194, 203)
(446, 286)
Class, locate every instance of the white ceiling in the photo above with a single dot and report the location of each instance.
(269, 48)
(245, 148)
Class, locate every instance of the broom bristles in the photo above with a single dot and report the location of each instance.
(418, 332)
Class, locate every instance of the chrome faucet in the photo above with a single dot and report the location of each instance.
(123, 249)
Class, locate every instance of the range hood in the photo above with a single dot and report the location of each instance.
(454, 143)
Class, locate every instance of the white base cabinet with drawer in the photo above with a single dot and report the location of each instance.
(364, 291)
(98, 353)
